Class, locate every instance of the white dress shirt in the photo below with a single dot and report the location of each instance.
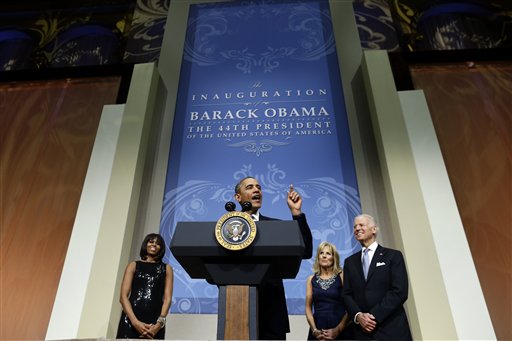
(371, 252)
(256, 216)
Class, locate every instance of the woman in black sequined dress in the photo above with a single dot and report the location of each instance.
(325, 311)
(146, 293)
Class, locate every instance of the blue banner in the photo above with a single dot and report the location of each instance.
(260, 95)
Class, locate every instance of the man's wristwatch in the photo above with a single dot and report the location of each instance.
(161, 320)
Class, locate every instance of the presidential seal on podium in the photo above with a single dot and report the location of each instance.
(235, 230)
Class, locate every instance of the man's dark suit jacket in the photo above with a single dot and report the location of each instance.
(382, 294)
(272, 312)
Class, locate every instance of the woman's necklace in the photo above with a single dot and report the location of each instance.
(325, 283)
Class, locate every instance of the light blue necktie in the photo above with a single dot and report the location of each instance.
(366, 263)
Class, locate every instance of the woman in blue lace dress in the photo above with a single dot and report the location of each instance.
(146, 293)
(325, 311)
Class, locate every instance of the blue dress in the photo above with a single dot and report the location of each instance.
(328, 307)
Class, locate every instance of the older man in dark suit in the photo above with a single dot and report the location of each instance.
(375, 287)
(272, 311)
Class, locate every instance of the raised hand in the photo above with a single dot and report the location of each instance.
(294, 201)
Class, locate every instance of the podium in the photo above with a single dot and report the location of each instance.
(275, 253)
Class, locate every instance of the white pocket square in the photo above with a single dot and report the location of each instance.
(380, 263)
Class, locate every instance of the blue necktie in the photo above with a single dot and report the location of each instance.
(366, 263)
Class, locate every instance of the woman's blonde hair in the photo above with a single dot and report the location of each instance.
(336, 268)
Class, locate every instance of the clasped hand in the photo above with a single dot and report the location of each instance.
(367, 322)
(147, 330)
(326, 334)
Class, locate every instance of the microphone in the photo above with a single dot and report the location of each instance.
(246, 206)
(230, 206)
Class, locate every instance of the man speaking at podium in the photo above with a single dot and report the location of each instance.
(272, 311)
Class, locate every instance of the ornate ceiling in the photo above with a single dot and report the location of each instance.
(38, 34)
(45, 34)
